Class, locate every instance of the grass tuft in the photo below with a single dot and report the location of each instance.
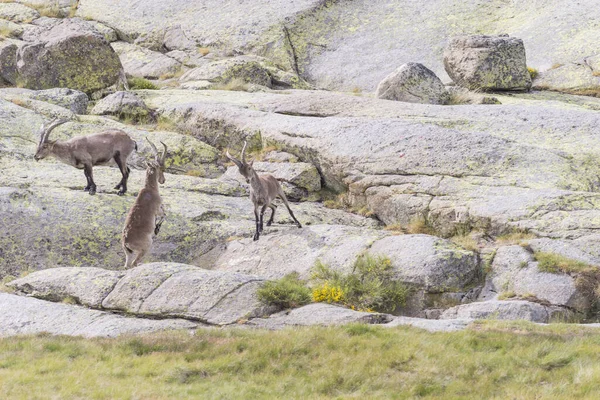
(235, 84)
(556, 263)
(287, 292)
(137, 83)
(520, 238)
(466, 241)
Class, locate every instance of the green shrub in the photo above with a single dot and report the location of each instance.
(370, 286)
(287, 292)
(136, 83)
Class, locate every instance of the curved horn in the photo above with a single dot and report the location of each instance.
(153, 147)
(163, 156)
(52, 125)
(235, 161)
(244, 152)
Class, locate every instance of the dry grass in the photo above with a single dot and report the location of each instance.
(519, 238)
(171, 75)
(420, 224)
(204, 50)
(396, 228)
(235, 84)
(556, 263)
(495, 359)
(466, 241)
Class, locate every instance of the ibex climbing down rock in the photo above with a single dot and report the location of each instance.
(147, 214)
(83, 152)
(263, 190)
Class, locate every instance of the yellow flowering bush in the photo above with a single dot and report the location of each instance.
(328, 294)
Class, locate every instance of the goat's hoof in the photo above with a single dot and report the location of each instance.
(92, 191)
(117, 187)
(255, 238)
(121, 193)
(299, 226)
(86, 189)
(269, 223)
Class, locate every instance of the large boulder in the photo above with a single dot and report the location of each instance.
(86, 286)
(434, 264)
(84, 62)
(413, 83)
(17, 12)
(122, 104)
(577, 77)
(318, 314)
(487, 62)
(8, 62)
(515, 273)
(247, 68)
(507, 310)
(144, 63)
(73, 100)
(168, 290)
(27, 316)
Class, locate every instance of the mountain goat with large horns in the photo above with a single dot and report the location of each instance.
(146, 214)
(263, 190)
(83, 152)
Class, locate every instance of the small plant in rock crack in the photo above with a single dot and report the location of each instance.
(370, 287)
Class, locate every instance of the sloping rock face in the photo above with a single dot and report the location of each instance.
(17, 12)
(26, 316)
(487, 63)
(449, 165)
(577, 77)
(506, 310)
(413, 83)
(247, 68)
(8, 62)
(515, 270)
(83, 62)
(70, 99)
(160, 290)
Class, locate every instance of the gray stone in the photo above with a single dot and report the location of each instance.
(246, 68)
(214, 297)
(280, 157)
(514, 270)
(87, 286)
(84, 62)
(431, 263)
(318, 314)
(577, 77)
(189, 58)
(45, 27)
(122, 104)
(26, 316)
(10, 29)
(176, 39)
(141, 62)
(8, 62)
(487, 62)
(73, 100)
(60, 8)
(505, 310)
(17, 12)
(413, 83)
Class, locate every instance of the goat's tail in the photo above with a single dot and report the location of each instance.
(135, 144)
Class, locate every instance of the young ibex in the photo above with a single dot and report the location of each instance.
(263, 190)
(83, 152)
(146, 214)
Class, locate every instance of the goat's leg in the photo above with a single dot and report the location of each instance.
(139, 257)
(273, 208)
(129, 257)
(122, 163)
(87, 169)
(285, 201)
(87, 178)
(257, 233)
(262, 213)
(160, 218)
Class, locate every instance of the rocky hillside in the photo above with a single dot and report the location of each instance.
(480, 204)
